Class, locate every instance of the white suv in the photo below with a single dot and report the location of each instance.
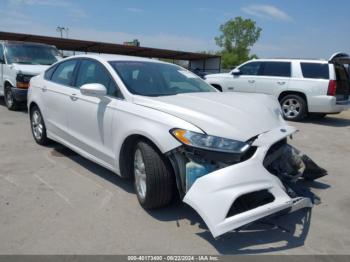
(19, 62)
(319, 87)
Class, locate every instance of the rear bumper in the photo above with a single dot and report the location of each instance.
(19, 94)
(327, 104)
(213, 195)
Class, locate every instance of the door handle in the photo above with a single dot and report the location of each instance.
(281, 82)
(44, 89)
(251, 81)
(230, 88)
(73, 97)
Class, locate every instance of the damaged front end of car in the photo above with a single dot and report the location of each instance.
(230, 190)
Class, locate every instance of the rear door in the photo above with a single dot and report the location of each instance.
(273, 77)
(56, 92)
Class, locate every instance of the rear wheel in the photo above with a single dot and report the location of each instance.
(38, 126)
(10, 101)
(154, 179)
(294, 107)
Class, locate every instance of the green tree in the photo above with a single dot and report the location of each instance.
(238, 35)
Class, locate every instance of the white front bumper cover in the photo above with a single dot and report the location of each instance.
(213, 194)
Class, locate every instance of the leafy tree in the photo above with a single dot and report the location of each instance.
(238, 36)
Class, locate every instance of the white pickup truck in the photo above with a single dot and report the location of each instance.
(19, 62)
(302, 87)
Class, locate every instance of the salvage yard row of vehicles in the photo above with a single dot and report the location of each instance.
(226, 154)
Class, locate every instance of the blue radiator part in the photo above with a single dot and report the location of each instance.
(195, 170)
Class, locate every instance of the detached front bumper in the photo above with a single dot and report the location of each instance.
(214, 195)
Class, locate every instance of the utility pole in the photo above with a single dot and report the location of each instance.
(60, 29)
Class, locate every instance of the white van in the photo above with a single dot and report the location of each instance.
(302, 87)
(19, 62)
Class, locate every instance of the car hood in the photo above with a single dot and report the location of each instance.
(231, 115)
(29, 69)
(218, 75)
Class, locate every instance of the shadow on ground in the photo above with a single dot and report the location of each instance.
(329, 121)
(62, 151)
(22, 109)
(269, 235)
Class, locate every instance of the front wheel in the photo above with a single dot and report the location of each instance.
(294, 107)
(38, 126)
(154, 178)
(10, 101)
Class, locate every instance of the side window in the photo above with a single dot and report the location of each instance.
(64, 72)
(251, 68)
(48, 73)
(93, 72)
(315, 70)
(2, 54)
(282, 69)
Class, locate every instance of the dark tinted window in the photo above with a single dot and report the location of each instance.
(1, 53)
(49, 72)
(276, 69)
(251, 68)
(93, 72)
(315, 70)
(64, 72)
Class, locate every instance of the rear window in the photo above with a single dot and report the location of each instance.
(281, 69)
(315, 70)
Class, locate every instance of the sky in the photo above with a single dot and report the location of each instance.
(290, 28)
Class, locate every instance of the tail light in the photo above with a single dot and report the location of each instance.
(332, 88)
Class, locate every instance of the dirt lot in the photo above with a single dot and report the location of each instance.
(53, 201)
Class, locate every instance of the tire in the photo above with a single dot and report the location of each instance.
(11, 103)
(38, 126)
(153, 176)
(294, 107)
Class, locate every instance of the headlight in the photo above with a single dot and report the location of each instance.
(23, 80)
(209, 142)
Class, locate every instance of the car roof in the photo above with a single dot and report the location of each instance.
(23, 43)
(323, 61)
(110, 58)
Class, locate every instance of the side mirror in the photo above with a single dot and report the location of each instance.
(2, 60)
(95, 89)
(236, 72)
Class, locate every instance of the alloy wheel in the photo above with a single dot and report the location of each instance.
(291, 108)
(9, 98)
(140, 174)
(37, 125)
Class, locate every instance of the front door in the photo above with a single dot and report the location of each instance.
(90, 118)
(245, 81)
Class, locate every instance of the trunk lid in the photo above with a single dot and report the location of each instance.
(341, 62)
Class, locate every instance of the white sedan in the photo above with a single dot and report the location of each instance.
(225, 153)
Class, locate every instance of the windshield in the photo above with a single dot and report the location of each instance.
(158, 79)
(30, 54)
